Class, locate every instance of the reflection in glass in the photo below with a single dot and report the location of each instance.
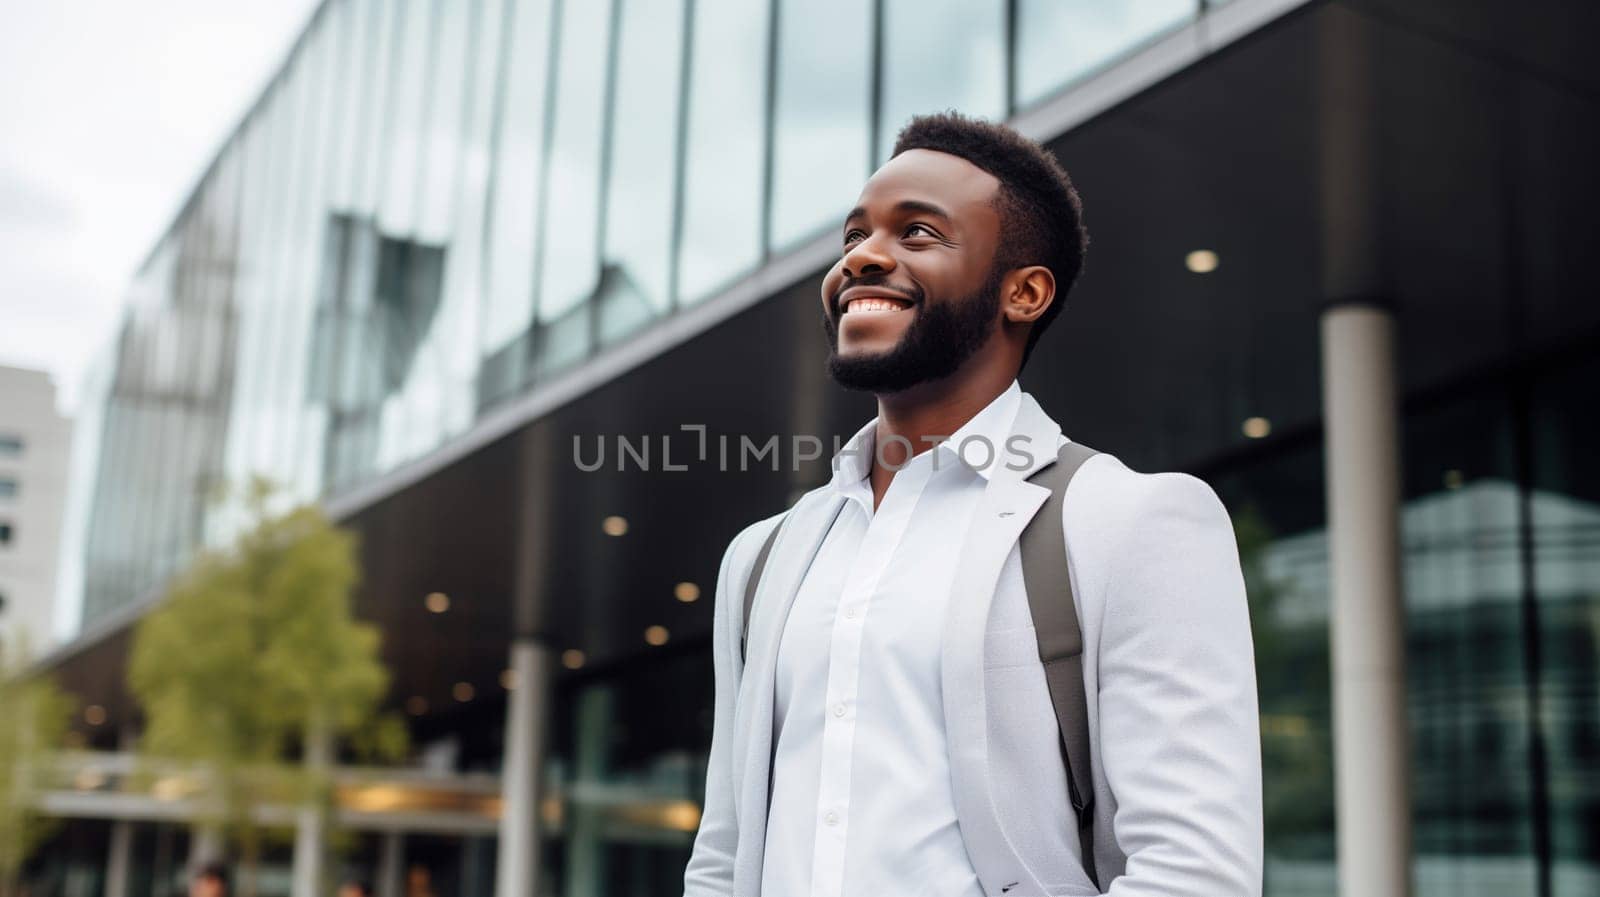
(634, 283)
(627, 765)
(1566, 552)
(380, 300)
(514, 200)
(570, 258)
(296, 273)
(725, 147)
(1059, 40)
(437, 183)
(456, 334)
(820, 130)
(400, 153)
(357, 22)
(940, 54)
(1466, 679)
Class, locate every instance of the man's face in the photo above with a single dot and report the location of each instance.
(207, 886)
(916, 291)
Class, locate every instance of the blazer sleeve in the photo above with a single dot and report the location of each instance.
(1179, 729)
(710, 869)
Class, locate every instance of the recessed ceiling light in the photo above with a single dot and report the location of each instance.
(508, 679)
(462, 692)
(572, 658)
(656, 635)
(416, 705)
(438, 602)
(94, 714)
(1257, 427)
(686, 592)
(614, 525)
(1201, 261)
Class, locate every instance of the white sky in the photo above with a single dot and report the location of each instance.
(110, 111)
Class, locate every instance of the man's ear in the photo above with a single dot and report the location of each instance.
(1026, 292)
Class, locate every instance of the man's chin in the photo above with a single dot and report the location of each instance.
(854, 352)
(876, 372)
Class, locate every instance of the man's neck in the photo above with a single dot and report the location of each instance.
(925, 414)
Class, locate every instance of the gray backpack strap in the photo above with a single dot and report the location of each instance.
(1055, 621)
(754, 581)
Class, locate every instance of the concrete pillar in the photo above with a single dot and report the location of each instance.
(117, 858)
(391, 866)
(119, 851)
(1363, 471)
(311, 819)
(1366, 621)
(517, 869)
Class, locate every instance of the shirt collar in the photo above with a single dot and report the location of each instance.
(984, 436)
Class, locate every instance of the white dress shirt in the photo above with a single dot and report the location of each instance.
(862, 802)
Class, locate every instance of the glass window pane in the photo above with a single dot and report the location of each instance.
(639, 203)
(439, 140)
(821, 130)
(1565, 517)
(458, 328)
(356, 22)
(1059, 40)
(726, 146)
(400, 153)
(941, 54)
(298, 421)
(1466, 676)
(571, 255)
(383, 18)
(515, 197)
(437, 182)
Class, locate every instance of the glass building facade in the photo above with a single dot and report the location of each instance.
(435, 206)
(437, 209)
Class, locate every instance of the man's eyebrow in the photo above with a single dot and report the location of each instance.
(907, 206)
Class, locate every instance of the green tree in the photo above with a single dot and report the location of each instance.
(33, 722)
(255, 659)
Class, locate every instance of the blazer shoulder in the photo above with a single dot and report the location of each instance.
(1109, 503)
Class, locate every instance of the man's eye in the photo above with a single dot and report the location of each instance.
(922, 227)
(851, 236)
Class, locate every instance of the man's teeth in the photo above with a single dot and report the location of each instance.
(873, 305)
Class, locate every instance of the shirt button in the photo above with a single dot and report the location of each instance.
(831, 818)
(838, 709)
(850, 614)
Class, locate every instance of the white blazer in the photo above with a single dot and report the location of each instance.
(1169, 668)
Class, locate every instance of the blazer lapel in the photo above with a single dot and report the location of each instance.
(1009, 502)
(792, 553)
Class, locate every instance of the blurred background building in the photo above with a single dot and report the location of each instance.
(35, 441)
(452, 237)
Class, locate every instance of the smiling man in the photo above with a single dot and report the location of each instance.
(945, 673)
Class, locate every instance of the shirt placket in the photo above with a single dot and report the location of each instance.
(885, 529)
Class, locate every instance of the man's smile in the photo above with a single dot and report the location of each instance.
(872, 300)
(874, 304)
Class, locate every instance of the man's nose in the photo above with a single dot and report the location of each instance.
(867, 257)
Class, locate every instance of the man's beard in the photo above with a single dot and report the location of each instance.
(940, 339)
